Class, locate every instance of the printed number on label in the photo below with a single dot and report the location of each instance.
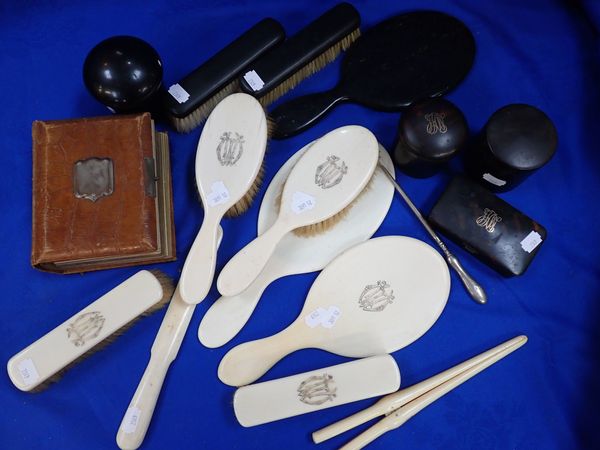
(28, 372)
(218, 194)
(131, 420)
(323, 317)
(302, 202)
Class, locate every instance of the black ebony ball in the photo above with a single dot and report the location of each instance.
(123, 73)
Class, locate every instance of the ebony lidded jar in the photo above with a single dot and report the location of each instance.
(430, 133)
(516, 140)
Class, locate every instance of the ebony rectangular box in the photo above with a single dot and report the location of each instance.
(486, 226)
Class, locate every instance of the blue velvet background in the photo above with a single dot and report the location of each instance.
(544, 396)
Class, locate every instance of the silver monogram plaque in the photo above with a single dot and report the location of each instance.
(93, 178)
(317, 389)
(375, 297)
(230, 148)
(330, 172)
(488, 220)
(435, 123)
(85, 327)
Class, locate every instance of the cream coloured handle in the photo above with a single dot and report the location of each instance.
(346, 424)
(165, 348)
(368, 436)
(247, 362)
(228, 315)
(199, 268)
(139, 414)
(246, 265)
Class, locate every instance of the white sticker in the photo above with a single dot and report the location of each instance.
(218, 194)
(302, 202)
(492, 179)
(254, 80)
(179, 93)
(131, 420)
(28, 372)
(324, 317)
(531, 241)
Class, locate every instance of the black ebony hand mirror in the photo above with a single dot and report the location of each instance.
(404, 59)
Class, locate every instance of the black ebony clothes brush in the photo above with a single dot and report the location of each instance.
(303, 54)
(430, 133)
(190, 101)
(404, 59)
(124, 73)
(488, 227)
(517, 140)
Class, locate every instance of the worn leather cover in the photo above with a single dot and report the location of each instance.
(114, 230)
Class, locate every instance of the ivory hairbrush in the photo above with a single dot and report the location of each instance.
(315, 390)
(41, 363)
(323, 183)
(377, 297)
(298, 254)
(303, 54)
(229, 162)
(190, 101)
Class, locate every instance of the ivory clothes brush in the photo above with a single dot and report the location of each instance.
(164, 350)
(404, 59)
(188, 102)
(303, 54)
(316, 390)
(375, 298)
(404, 404)
(325, 180)
(41, 363)
(298, 254)
(229, 162)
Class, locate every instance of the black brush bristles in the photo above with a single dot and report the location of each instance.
(314, 66)
(196, 117)
(168, 289)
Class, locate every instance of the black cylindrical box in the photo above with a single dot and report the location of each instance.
(430, 133)
(517, 140)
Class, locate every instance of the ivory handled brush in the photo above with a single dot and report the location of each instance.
(404, 404)
(42, 362)
(229, 162)
(320, 188)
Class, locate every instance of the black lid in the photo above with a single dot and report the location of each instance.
(122, 72)
(521, 136)
(433, 129)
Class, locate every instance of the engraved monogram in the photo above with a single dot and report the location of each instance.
(230, 148)
(93, 178)
(375, 297)
(488, 220)
(317, 389)
(435, 123)
(330, 172)
(85, 327)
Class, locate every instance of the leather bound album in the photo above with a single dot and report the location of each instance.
(101, 194)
